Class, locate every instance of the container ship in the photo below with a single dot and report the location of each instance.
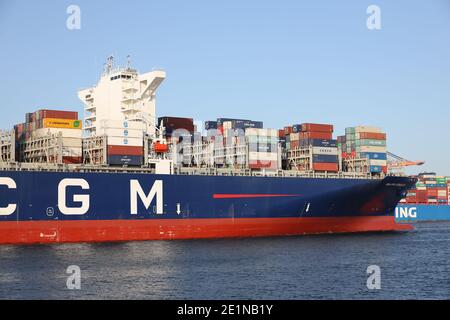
(122, 174)
(428, 200)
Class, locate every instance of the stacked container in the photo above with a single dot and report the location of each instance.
(429, 189)
(174, 123)
(124, 142)
(44, 123)
(262, 148)
(367, 142)
(324, 149)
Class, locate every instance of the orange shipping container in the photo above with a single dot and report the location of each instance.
(332, 167)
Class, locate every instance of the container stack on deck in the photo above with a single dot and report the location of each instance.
(430, 189)
(262, 148)
(124, 142)
(311, 146)
(43, 124)
(366, 143)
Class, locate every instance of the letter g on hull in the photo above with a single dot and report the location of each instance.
(82, 198)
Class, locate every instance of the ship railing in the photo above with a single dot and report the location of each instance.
(208, 171)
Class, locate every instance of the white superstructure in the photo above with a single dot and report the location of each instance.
(121, 95)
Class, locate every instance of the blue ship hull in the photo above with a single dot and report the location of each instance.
(75, 206)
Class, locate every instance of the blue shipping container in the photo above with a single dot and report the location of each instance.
(318, 143)
(374, 155)
(125, 160)
(210, 125)
(324, 158)
(376, 169)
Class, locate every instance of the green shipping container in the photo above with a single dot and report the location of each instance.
(370, 142)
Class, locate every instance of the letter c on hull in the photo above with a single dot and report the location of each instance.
(11, 184)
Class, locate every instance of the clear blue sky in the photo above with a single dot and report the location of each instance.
(281, 62)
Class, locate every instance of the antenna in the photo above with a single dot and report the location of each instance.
(128, 62)
(109, 64)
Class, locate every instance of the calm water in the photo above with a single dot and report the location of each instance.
(413, 265)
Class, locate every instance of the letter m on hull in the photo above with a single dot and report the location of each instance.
(136, 191)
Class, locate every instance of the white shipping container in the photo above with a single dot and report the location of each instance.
(130, 133)
(333, 151)
(373, 149)
(261, 132)
(122, 141)
(294, 136)
(374, 162)
(442, 193)
(66, 133)
(421, 188)
(72, 142)
(269, 156)
(430, 182)
(125, 124)
(367, 129)
(72, 152)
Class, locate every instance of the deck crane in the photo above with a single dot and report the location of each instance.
(398, 163)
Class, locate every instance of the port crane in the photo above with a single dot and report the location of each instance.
(396, 162)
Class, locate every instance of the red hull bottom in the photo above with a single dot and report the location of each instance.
(167, 229)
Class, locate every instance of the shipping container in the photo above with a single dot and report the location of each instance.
(125, 150)
(173, 123)
(262, 147)
(330, 167)
(366, 129)
(267, 156)
(325, 151)
(374, 155)
(370, 143)
(261, 132)
(56, 114)
(318, 158)
(135, 142)
(209, 125)
(371, 135)
(66, 133)
(61, 123)
(125, 160)
(268, 165)
(316, 127)
(318, 143)
(316, 135)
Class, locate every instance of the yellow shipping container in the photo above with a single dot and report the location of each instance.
(62, 123)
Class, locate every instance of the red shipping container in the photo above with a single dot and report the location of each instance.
(294, 144)
(288, 130)
(125, 150)
(317, 127)
(58, 114)
(344, 155)
(332, 167)
(372, 135)
(263, 164)
(72, 160)
(432, 192)
(316, 135)
(281, 133)
(384, 169)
